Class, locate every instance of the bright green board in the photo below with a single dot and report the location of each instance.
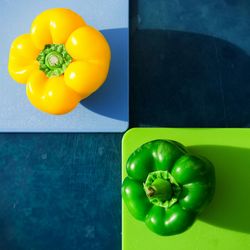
(225, 224)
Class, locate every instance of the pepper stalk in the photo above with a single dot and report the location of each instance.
(162, 189)
(54, 59)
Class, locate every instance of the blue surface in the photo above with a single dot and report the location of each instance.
(111, 100)
(191, 59)
(59, 192)
(63, 191)
(225, 19)
(107, 109)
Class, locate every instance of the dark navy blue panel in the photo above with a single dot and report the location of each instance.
(189, 80)
(60, 191)
(190, 64)
(225, 19)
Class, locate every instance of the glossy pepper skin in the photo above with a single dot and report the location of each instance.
(167, 187)
(61, 61)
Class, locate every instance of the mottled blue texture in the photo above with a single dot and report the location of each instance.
(191, 80)
(62, 192)
(226, 19)
(190, 64)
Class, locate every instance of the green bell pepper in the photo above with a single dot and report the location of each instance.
(166, 186)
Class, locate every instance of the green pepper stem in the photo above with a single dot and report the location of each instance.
(160, 189)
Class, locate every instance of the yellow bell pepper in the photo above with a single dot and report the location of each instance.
(61, 61)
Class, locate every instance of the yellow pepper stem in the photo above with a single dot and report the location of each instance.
(54, 59)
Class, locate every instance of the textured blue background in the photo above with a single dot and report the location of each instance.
(62, 191)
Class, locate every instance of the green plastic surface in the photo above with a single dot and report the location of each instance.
(225, 224)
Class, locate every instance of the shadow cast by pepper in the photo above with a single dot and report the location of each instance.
(111, 99)
(182, 79)
(231, 204)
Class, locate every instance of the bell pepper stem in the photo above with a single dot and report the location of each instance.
(150, 191)
(54, 59)
(160, 189)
